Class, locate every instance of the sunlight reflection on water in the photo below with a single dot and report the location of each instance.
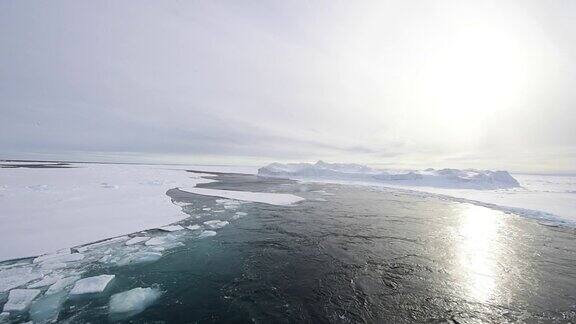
(478, 250)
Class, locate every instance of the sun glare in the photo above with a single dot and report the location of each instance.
(469, 76)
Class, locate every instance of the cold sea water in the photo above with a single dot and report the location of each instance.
(347, 254)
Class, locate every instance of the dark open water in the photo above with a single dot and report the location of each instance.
(362, 255)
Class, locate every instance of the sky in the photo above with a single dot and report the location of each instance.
(400, 84)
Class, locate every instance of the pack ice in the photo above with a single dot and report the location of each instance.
(443, 178)
(20, 299)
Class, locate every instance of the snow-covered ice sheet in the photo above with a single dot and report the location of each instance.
(47, 209)
(20, 299)
(261, 197)
(133, 301)
(548, 197)
(91, 285)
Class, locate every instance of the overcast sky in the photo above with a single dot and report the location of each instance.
(486, 84)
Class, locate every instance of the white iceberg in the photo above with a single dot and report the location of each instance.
(444, 178)
(90, 285)
(194, 227)
(215, 224)
(133, 301)
(20, 299)
(136, 240)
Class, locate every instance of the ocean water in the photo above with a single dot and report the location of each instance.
(349, 255)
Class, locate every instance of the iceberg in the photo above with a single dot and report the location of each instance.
(443, 178)
(194, 227)
(90, 285)
(133, 301)
(20, 299)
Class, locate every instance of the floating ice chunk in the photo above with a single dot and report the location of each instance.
(156, 241)
(171, 228)
(102, 243)
(46, 308)
(15, 277)
(62, 284)
(59, 257)
(206, 209)
(48, 267)
(136, 240)
(20, 299)
(89, 285)
(215, 224)
(261, 197)
(133, 301)
(318, 199)
(241, 214)
(47, 280)
(194, 227)
(4, 316)
(206, 234)
(140, 257)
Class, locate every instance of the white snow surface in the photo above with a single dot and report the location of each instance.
(91, 285)
(20, 299)
(444, 178)
(260, 197)
(47, 209)
(133, 301)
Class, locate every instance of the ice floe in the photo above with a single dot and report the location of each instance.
(140, 257)
(62, 284)
(206, 234)
(194, 227)
(215, 224)
(46, 281)
(20, 299)
(133, 301)
(15, 277)
(171, 228)
(136, 240)
(260, 197)
(90, 285)
(61, 257)
(46, 308)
